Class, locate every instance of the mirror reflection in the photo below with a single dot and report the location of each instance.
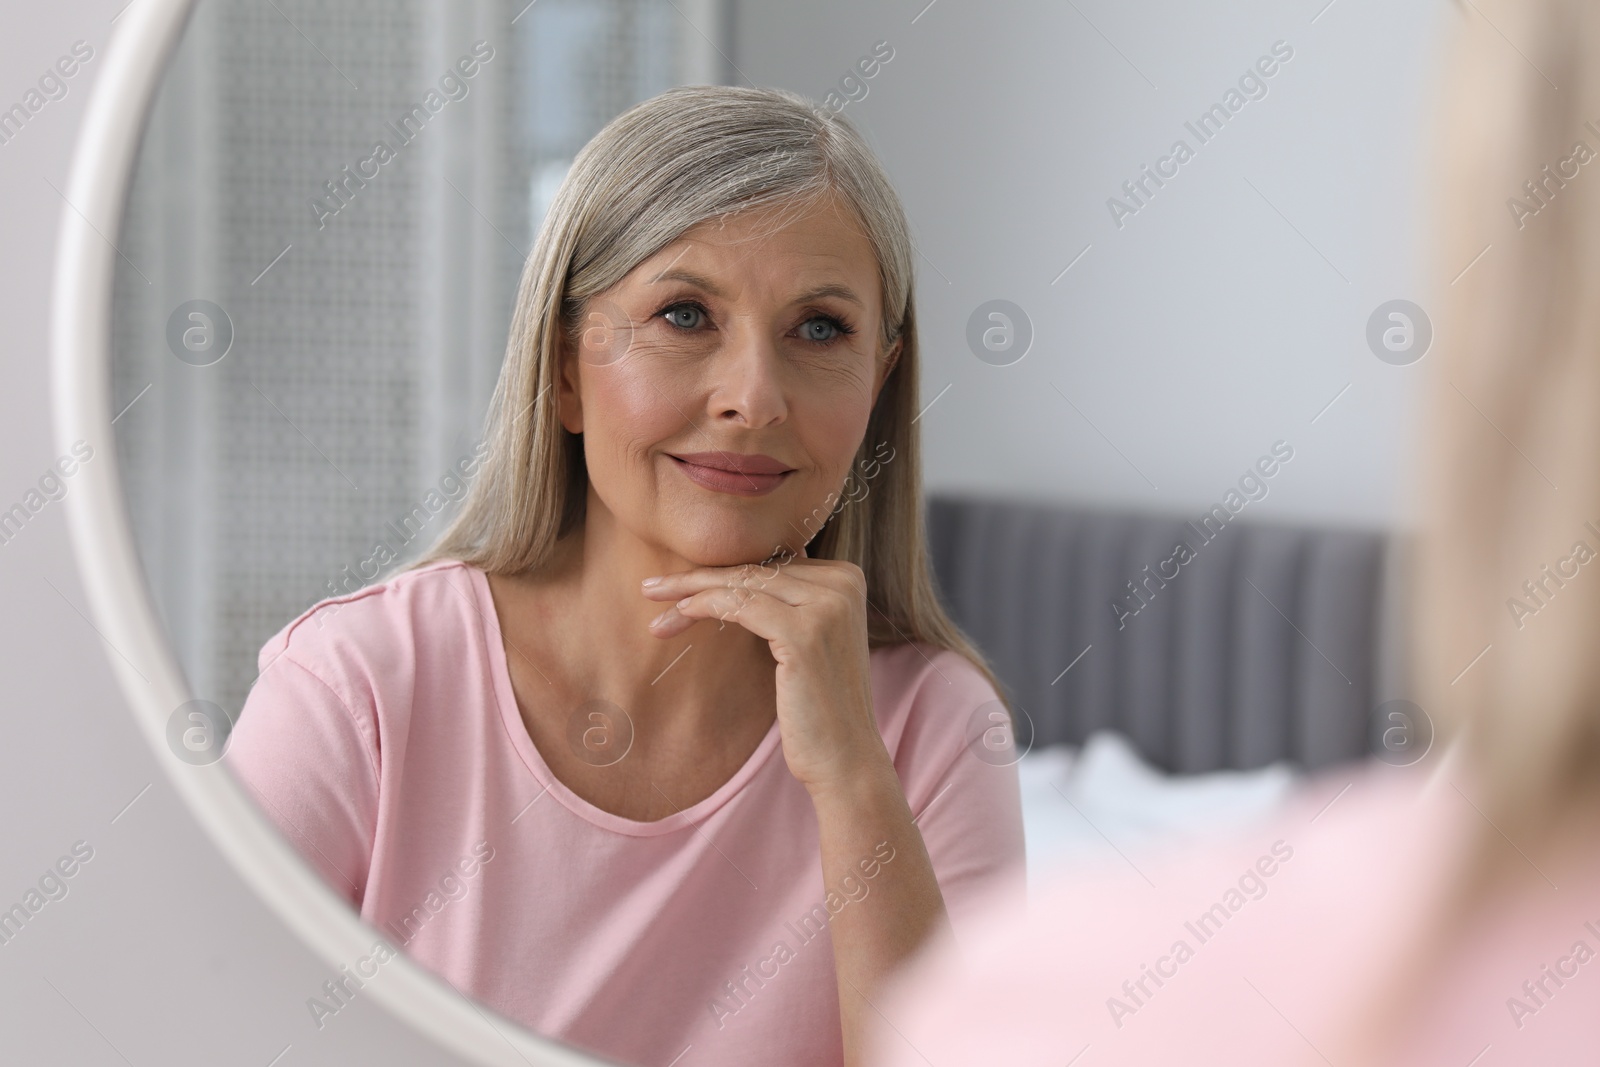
(673, 508)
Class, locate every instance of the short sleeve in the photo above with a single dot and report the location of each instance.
(964, 794)
(299, 752)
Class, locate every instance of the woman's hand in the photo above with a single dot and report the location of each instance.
(813, 614)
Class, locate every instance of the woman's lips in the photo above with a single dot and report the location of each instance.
(740, 483)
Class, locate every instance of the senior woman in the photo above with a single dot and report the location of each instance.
(544, 757)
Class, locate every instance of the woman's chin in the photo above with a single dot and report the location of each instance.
(719, 549)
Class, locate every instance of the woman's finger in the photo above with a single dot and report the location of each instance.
(788, 581)
(753, 609)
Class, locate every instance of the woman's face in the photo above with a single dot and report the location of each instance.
(723, 387)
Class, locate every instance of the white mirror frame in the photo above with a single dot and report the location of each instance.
(120, 601)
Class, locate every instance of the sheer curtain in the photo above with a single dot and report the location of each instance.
(367, 293)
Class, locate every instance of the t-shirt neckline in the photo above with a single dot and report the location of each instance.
(522, 743)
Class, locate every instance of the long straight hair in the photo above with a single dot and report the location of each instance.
(687, 156)
(1511, 482)
(1504, 648)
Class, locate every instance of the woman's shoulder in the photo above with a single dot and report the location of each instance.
(925, 692)
(927, 675)
(377, 628)
(1313, 905)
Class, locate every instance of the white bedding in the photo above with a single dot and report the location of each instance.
(1075, 801)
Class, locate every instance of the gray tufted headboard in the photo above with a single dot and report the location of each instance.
(1258, 644)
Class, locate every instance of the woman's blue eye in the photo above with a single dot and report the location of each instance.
(820, 330)
(673, 316)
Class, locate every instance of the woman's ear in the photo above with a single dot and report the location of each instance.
(569, 398)
(890, 359)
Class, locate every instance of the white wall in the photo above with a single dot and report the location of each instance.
(1205, 328)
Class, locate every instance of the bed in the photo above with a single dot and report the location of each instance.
(1162, 698)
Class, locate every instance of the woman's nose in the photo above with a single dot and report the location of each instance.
(746, 381)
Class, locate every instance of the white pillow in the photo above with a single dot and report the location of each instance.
(1077, 805)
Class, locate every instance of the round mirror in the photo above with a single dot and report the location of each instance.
(314, 308)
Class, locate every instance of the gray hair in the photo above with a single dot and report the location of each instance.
(701, 152)
(687, 156)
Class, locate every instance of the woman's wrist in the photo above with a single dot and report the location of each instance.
(870, 783)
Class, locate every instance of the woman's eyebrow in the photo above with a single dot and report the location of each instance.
(695, 280)
(843, 292)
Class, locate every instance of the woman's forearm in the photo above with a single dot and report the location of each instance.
(882, 894)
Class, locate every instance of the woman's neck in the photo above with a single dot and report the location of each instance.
(587, 615)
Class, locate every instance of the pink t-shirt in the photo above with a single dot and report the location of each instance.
(383, 739)
(1267, 946)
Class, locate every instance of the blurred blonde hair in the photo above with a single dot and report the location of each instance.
(1511, 460)
(684, 157)
(1509, 472)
